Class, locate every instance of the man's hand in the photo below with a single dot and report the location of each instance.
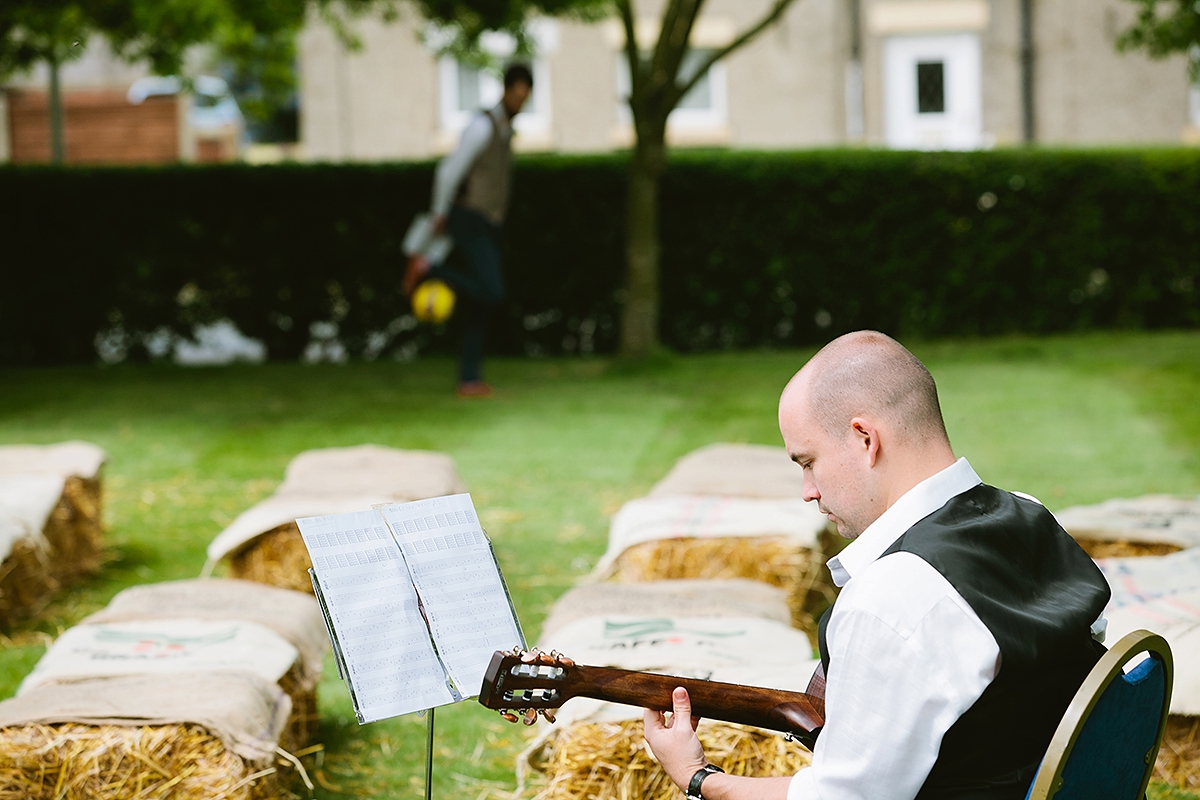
(414, 272)
(673, 741)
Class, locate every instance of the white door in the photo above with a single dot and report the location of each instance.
(931, 90)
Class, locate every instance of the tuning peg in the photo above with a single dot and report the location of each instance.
(548, 713)
(563, 661)
(508, 715)
(530, 716)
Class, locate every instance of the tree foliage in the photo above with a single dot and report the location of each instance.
(255, 39)
(475, 17)
(1166, 27)
(33, 31)
(159, 33)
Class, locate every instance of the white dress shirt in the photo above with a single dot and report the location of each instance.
(908, 657)
(453, 169)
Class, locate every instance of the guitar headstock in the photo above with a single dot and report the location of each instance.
(529, 681)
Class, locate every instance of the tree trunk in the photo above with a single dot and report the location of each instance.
(56, 115)
(639, 318)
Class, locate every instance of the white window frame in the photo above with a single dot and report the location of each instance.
(452, 119)
(959, 125)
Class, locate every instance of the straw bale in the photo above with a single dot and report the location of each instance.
(1150, 518)
(64, 459)
(74, 528)
(27, 581)
(88, 653)
(278, 511)
(191, 737)
(293, 615)
(650, 519)
(52, 537)
(74, 761)
(372, 469)
(730, 597)
(1123, 548)
(1179, 757)
(611, 761)
(741, 470)
(74, 532)
(278, 558)
(263, 544)
(305, 717)
(778, 561)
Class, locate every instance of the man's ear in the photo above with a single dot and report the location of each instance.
(867, 438)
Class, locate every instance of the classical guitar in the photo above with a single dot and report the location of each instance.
(535, 683)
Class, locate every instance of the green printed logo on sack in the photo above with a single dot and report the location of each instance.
(661, 631)
(146, 644)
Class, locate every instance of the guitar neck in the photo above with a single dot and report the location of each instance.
(511, 683)
(774, 709)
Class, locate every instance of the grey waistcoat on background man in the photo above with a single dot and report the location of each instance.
(485, 189)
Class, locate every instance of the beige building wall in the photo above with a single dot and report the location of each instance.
(583, 90)
(1085, 91)
(783, 90)
(378, 102)
(1088, 93)
(787, 89)
(1003, 117)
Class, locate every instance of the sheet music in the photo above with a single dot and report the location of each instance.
(338, 659)
(391, 664)
(456, 575)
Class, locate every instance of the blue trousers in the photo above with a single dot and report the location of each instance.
(479, 285)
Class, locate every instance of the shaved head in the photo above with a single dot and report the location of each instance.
(862, 420)
(866, 373)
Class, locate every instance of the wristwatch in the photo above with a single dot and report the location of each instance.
(693, 790)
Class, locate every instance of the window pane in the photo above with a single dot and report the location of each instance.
(701, 94)
(468, 88)
(931, 87)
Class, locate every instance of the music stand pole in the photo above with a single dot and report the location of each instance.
(429, 759)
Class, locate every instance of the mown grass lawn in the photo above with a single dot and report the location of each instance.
(1070, 420)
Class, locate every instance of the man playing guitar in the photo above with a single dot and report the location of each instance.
(967, 617)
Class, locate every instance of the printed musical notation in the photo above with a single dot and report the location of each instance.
(456, 575)
(414, 602)
(375, 622)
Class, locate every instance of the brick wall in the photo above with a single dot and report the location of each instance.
(99, 127)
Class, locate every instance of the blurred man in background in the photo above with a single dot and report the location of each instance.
(470, 201)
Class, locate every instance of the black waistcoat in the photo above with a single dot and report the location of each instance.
(1038, 593)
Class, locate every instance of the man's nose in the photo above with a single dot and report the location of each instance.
(810, 491)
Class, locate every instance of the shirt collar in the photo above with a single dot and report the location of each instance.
(913, 506)
(500, 115)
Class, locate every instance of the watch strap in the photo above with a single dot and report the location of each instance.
(693, 790)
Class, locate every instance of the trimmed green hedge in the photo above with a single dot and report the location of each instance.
(758, 249)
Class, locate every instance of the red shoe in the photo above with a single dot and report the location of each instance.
(418, 267)
(474, 389)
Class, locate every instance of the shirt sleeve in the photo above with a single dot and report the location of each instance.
(908, 657)
(453, 168)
